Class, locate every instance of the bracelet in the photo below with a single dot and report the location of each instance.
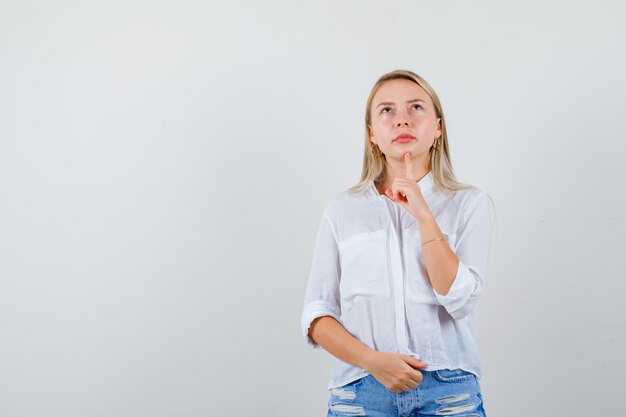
(433, 240)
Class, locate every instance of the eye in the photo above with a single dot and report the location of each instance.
(385, 110)
(417, 106)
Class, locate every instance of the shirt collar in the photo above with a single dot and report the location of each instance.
(425, 184)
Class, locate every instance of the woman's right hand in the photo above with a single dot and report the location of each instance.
(396, 371)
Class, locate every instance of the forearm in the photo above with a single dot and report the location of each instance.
(336, 340)
(441, 262)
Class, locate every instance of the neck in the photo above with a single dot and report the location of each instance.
(397, 169)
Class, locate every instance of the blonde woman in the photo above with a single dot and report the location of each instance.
(398, 266)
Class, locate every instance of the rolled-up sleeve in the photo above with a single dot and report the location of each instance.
(322, 293)
(473, 246)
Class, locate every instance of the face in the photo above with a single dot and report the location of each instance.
(403, 120)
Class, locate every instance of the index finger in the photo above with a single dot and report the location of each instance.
(409, 166)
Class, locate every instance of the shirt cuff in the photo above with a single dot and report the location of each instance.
(314, 310)
(457, 301)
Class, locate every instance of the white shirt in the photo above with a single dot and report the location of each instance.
(368, 272)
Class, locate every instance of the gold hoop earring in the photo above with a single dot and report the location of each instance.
(375, 150)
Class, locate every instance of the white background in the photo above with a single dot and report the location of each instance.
(164, 166)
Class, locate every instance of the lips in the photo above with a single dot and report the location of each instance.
(404, 138)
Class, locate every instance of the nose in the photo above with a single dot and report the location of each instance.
(402, 119)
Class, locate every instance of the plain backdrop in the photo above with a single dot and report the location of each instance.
(164, 166)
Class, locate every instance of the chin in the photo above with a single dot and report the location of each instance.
(414, 153)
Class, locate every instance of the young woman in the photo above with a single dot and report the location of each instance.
(398, 266)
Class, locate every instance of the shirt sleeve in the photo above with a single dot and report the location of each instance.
(322, 293)
(473, 246)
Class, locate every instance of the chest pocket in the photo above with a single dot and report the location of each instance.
(418, 286)
(364, 268)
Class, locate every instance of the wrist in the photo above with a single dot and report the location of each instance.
(424, 217)
(366, 358)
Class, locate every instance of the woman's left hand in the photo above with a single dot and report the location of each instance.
(406, 192)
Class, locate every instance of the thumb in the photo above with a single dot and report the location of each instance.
(415, 363)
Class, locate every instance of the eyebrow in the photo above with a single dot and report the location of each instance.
(388, 103)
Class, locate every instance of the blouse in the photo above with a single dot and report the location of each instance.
(368, 273)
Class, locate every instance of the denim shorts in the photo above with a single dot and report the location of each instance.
(441, 393)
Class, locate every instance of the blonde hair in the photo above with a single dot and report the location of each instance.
(440, 164)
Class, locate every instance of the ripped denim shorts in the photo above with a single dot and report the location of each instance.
(441, 393)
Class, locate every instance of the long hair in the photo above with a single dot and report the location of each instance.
(374, 160)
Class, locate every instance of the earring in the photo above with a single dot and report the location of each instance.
(436, 144)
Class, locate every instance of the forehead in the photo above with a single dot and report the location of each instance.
(399, 91)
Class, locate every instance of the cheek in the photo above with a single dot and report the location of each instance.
(426, 127)
(379, 129)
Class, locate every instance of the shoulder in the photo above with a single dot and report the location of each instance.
(345, 202)
(473, 201)
(469, 196)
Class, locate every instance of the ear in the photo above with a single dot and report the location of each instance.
(439, 131)
(371, 134)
